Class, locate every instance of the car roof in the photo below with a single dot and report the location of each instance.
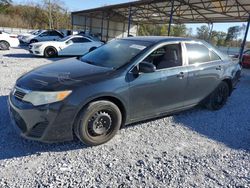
(157, 39)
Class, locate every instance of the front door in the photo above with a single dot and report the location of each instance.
(152, 94)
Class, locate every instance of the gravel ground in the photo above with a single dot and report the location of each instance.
(196, 148)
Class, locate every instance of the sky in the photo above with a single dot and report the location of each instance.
(75, 5)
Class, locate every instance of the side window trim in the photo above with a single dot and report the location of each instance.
(150, 51)
(197, 42)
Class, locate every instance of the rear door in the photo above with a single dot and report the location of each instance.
(204, 68)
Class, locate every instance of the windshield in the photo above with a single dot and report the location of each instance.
(116, 53)
(36, 32)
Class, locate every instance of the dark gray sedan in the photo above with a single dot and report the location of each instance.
(121, 82)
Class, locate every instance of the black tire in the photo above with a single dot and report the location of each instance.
(33, 41)
(92, 49)
(219, 97)
(98, 122)
(4, 45)
(50, 52)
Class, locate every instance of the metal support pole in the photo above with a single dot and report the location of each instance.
(123, 29)
(171, 17)
(85, 24)
(129, 19)
(210, 32)
(102, 24)
(244, 40)
(107, 36)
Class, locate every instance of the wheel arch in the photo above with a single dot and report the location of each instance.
(50, 46)
(229, 82)
(118, 102)
(5, 41)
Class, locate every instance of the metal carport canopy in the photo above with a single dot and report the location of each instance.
(176, 11)
(184, 11)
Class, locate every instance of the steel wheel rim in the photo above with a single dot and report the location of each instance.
(100, 124)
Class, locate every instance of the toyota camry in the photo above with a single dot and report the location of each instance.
(122, 82)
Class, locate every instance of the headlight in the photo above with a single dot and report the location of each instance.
(40, 98)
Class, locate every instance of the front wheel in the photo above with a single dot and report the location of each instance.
(98, 122)
(50, 52)
(219, 97)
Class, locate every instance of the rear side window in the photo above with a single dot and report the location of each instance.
(54, 33)
(198, 53)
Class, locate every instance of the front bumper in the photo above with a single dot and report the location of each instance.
(46, 123)
(35, 51)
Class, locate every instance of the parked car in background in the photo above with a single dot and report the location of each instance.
(45, 35)
(73, 45)
(124, 81)
(8, 40)
(23, 35)
(245, 59)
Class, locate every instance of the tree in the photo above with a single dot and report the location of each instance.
(203, 32)
(162, 30)
(221, 36)
(179, 30)
(232, 34)
(4, 4)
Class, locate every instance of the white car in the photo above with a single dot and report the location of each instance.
(73, 45)
(8, 40)
(45, 35)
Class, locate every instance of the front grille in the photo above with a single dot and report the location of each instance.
(19, 94)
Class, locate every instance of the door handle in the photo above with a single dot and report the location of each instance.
(218, 68)
(180, 75)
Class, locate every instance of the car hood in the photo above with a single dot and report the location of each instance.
(61, 75)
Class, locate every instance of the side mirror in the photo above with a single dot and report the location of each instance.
(146, 67)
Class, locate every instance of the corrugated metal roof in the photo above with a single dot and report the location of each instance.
(185, 11)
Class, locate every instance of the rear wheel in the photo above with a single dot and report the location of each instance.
(4, 45)
(219, 97)
(98, 122)
(50, 52)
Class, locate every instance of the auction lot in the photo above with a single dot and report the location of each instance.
(196, 148)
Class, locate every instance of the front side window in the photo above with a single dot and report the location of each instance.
(44, 34)
(166, 57)
(198, 53)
